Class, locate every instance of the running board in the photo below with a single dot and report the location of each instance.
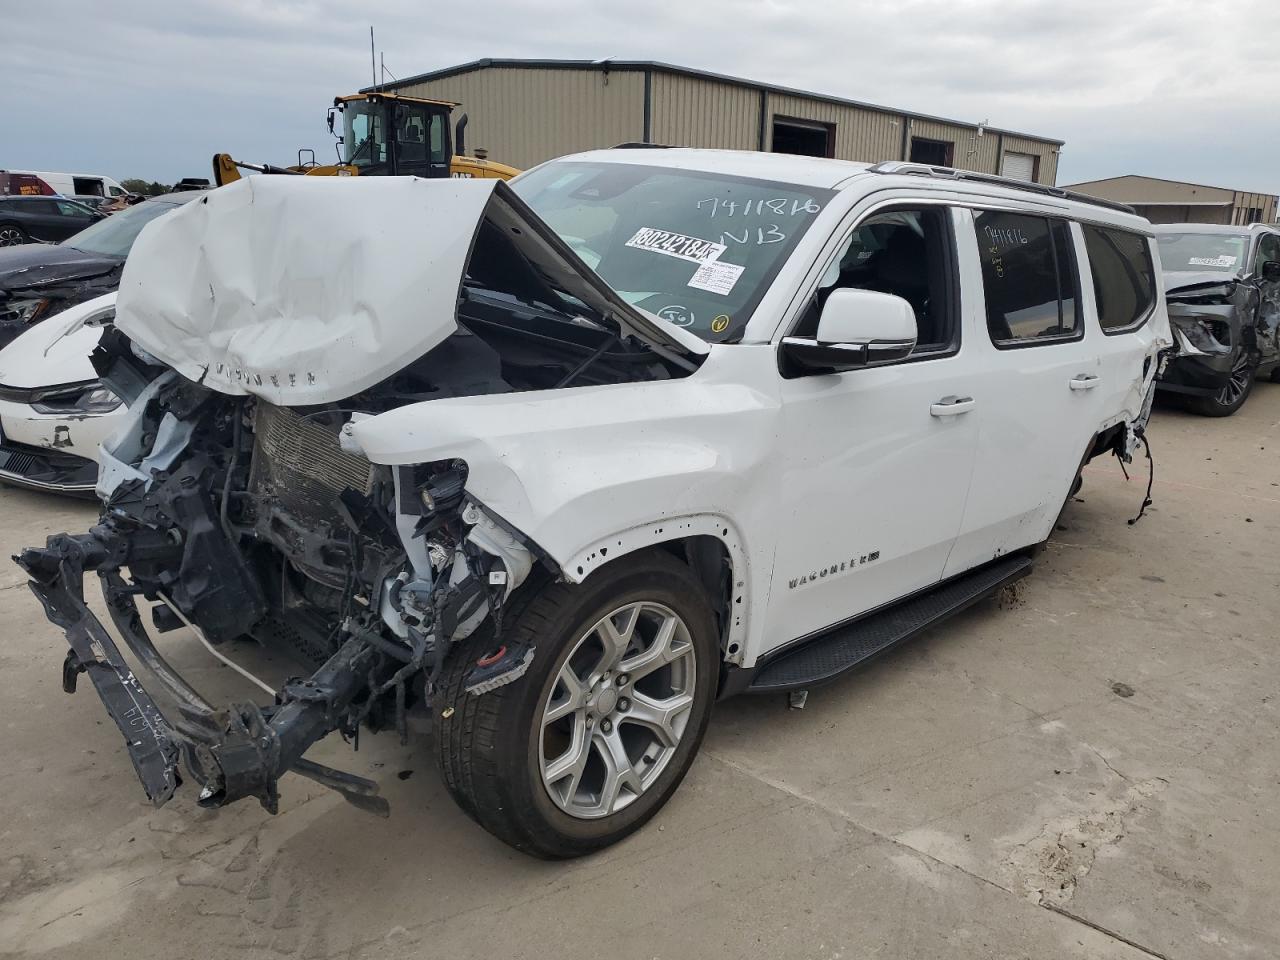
(830, 654)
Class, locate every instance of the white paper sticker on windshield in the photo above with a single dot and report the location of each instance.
(1222, 260)
(676, 245)
(716, 277)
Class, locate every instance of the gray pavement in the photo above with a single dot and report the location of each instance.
(1087, 768)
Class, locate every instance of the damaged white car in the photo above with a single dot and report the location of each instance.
(569, 459)
(54, 412)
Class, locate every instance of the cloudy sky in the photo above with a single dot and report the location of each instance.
(1170, 88)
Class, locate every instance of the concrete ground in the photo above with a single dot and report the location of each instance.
(1086, 769)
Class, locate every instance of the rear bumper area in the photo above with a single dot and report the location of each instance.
(234, 752)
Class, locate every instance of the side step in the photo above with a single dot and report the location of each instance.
(828, 655)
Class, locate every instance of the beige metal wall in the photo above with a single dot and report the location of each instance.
(1138, 190)
(523, 116)
(866, 135)
(692, 112)
(1175, 202)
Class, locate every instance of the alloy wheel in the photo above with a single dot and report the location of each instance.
(10, 237)
(1238, 385)
(617, 709)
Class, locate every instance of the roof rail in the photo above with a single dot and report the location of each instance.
(637, 145)
(951, 173)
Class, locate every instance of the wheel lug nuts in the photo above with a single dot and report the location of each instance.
(624, 704)
(606, 726)
(622, 679)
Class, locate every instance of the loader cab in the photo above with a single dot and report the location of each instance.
(388, 135)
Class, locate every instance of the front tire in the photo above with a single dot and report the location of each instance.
(591, 742)
(1232, 396)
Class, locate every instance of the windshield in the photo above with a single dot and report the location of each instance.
(363, 135)
(114, 236)
(697, 249)
(1220, 252)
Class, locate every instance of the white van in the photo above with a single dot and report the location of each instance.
(45, 183)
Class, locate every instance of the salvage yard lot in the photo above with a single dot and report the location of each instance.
(1087, 768)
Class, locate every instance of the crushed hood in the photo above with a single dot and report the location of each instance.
(43, 264)
(307, 290)
(57, 351)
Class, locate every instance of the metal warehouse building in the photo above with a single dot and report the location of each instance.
(525, 111)
(1172, 201)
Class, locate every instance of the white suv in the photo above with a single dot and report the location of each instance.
(568, 459)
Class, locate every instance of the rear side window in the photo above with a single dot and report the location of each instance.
(1029, 275)
(1124, 279)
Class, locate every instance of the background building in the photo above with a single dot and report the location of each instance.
(525, 111)
(1172, 201)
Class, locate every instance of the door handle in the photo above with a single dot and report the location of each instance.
(951, 406)
(1085, 381)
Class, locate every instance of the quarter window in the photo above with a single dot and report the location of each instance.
(1029, 274)
(1124, 279)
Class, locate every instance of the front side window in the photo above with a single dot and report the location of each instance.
(908, 253)
(1029, 276)
(697, 249)
(1124, 278)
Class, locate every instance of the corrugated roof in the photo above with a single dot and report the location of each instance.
(657, 65)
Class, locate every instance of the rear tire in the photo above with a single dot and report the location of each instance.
(12, 235)
(1231, 397)
(619, 722)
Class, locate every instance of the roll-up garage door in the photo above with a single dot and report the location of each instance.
(1019, 166)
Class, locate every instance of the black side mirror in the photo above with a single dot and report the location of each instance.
(1271, 271)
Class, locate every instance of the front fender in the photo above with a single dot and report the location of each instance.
(593, 473)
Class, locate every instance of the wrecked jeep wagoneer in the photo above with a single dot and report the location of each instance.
(569, 459)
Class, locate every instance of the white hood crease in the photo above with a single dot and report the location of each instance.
(307, 290)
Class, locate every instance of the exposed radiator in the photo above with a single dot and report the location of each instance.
(300, 463)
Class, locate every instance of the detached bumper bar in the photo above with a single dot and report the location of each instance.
(152, 746)
(239, 751)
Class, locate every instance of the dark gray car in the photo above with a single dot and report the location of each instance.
(38, 280)
(23, 219)
(1223, 288)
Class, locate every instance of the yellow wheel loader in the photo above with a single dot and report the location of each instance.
(384, 134)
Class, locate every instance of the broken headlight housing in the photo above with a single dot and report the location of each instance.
(90, 398)
(24, 309)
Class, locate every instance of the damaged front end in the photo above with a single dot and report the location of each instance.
(237, 502)
(244, 519)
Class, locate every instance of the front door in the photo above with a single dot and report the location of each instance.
(876, 462)
(1043, 383)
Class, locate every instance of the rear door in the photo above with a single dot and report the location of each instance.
(1040, 393)
(39, 217)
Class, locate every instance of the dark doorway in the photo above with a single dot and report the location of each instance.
(937, 153)
(804, 137)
